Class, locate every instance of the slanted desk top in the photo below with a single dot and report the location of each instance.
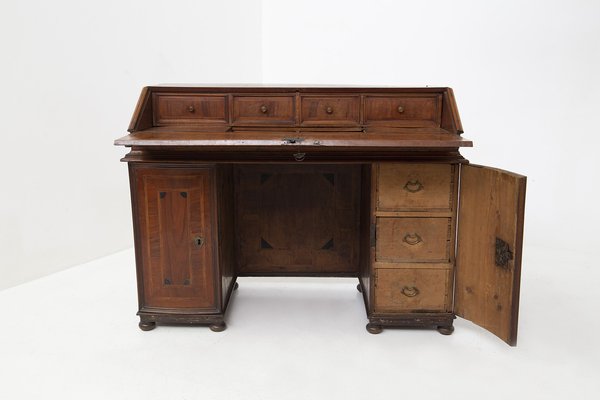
(230, 181)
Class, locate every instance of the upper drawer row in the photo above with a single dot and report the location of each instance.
(423, 110)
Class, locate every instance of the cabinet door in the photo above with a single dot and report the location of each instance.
(175, 237)
(490, 238)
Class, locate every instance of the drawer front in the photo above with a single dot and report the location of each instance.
(263, 110)
(189, 109)
(412, 290)
(413, 239)
(415, 187)
(330, 110)
(423, 111)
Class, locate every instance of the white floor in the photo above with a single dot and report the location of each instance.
(74, 335)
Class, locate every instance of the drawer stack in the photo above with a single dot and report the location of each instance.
(414, 237)
(408, 110)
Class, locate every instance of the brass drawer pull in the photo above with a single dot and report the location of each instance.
(400, 109)
(299, 156)
(409, 291)
(263, 109)
(412, 239)
(198, 241)
(329, 110)
(413, 186)
(191, 109)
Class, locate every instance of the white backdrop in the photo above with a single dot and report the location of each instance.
(71, 73)
(524, 73)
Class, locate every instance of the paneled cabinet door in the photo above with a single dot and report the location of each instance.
(174, 213)
(490, 239)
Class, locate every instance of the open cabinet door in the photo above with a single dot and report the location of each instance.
(490, 240)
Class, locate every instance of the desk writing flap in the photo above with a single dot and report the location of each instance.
(490, 238)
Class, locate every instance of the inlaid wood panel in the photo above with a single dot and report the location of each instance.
(264, 110)
(330, 110)
(412, 290)
(416, 111)
(413, 239)
(415, 186)
(176, 222)
(298, 219)
(189, 109)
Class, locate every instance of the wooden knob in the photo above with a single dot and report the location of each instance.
(400, 109)
(191, 109)
(329, 110)
(263, 109)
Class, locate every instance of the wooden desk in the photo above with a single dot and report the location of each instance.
(320, 181)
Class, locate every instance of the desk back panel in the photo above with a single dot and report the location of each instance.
(298, 219)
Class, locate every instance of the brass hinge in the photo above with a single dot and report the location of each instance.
(373, 235)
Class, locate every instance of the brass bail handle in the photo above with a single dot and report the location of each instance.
(412, 238)
(409, 291)
(413, 186)
(299, 156)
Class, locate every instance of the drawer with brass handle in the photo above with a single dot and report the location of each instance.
(415, 187)
(413, 239)
(411, 290)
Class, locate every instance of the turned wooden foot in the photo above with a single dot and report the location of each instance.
(218, 327)
(359, 288)
(445, 330)
(147, 325)
(236, 286)
(374, 329)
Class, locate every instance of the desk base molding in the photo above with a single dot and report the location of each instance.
(440, 321)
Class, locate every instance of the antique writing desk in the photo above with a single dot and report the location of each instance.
(318, 181)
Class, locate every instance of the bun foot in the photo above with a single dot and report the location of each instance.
(374, 329)
(147, 325)
(445, 330)
(236, 286)
(218, 327)
(359, 288)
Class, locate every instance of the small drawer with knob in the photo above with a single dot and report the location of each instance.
(415, 187)
(412, 290)
(423, 239)
(404, 111)
(189, 109)
(264, 110)
(330, 110)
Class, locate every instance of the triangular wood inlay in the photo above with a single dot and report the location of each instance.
(264, 178)
(328, 245)
(264, 244)
(330, 178)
